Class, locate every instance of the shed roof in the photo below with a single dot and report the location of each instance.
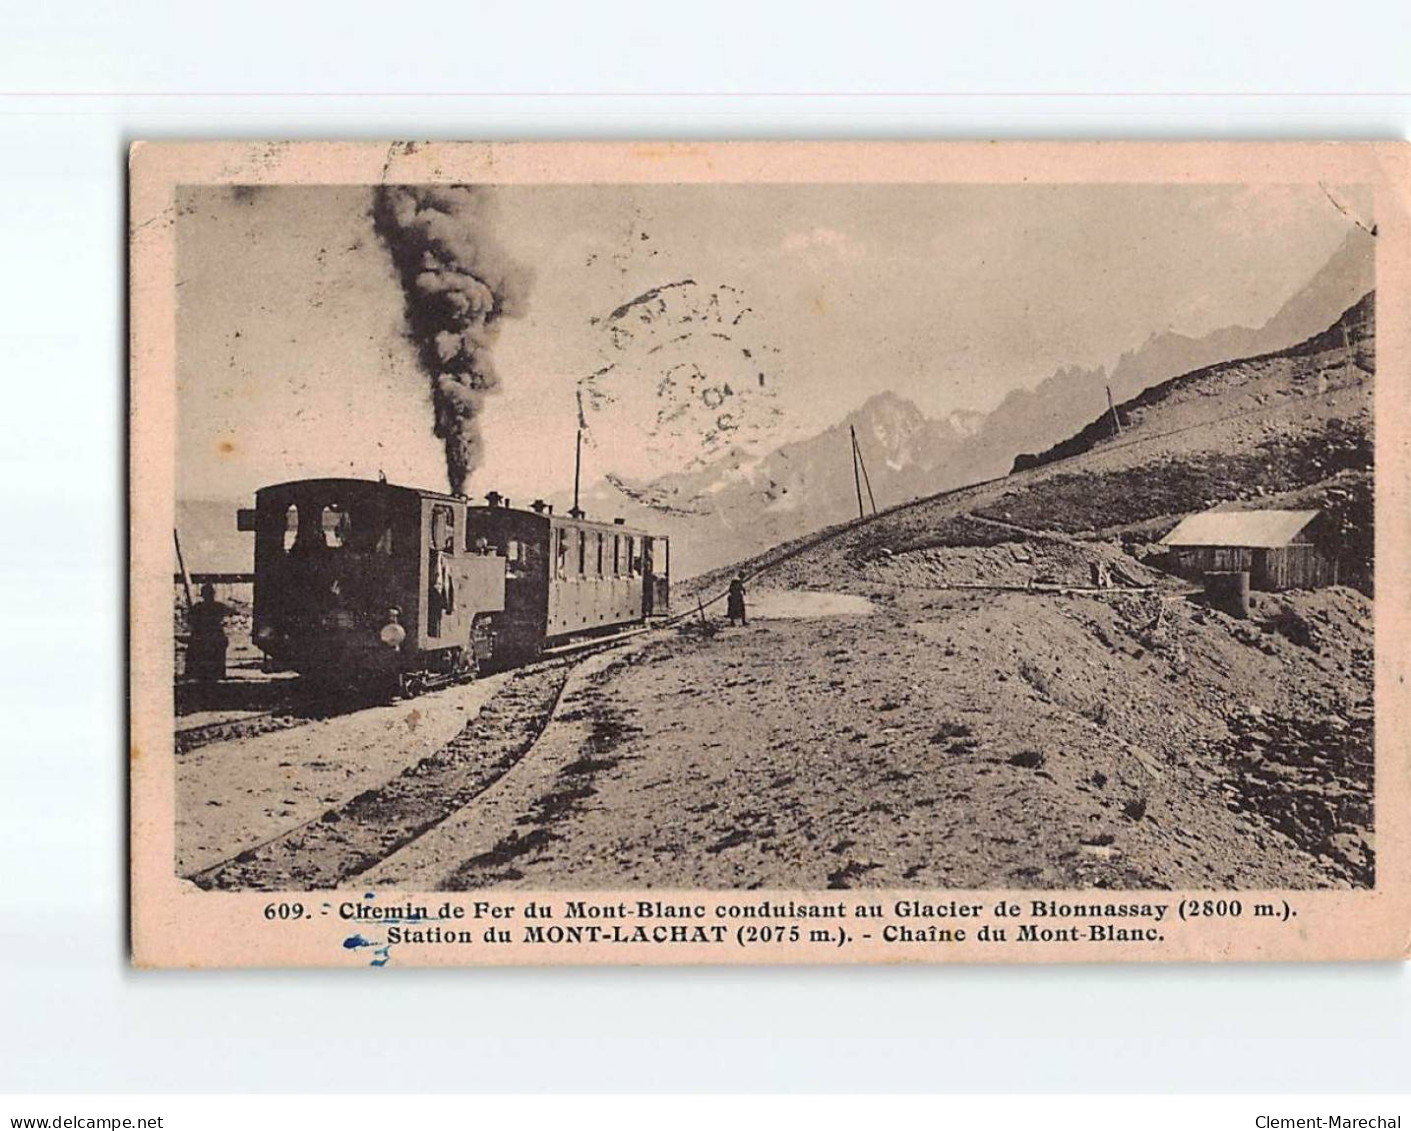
(1260, 529)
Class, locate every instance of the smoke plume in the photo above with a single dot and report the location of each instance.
(458, 283)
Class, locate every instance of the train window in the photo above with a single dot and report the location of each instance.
(336, 524)
(582, 552)
(514, 558)
(291, 527)
(631, 544)
(477, 541)
(443, 528)
(600, 554)
(617, 555)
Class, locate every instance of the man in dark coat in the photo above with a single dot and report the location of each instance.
(735, 604)
(205, 651)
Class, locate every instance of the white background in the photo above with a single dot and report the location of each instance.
(78, 81)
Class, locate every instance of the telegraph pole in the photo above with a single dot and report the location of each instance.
(181, 565)
(856, 479)
(866, 480)
(1112, 408)
(859, 463)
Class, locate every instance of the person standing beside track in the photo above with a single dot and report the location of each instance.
(206, 648)
(735, 604)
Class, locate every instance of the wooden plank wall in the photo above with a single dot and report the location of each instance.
(1285, 567)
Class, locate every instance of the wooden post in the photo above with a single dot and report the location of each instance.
(856, 479)
(1112, 408)
(181, 565)
(700, 608)
(866, 479)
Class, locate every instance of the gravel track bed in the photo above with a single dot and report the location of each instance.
(345, 842)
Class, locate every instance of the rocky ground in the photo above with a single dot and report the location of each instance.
(236, 794)
(956, 740)
(935, 738)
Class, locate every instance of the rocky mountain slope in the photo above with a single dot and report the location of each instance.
(733, 505)
(1032, 420)
(1250, 741)
(725, 507)
(1284, 429)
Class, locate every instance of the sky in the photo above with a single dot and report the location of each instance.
(292, 358)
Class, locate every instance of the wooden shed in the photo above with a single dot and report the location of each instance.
(1279, 549)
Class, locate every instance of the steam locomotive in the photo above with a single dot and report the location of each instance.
(367, 583)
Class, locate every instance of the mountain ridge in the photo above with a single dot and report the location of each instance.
(737, 502)
(1030, 420)
(725, 509)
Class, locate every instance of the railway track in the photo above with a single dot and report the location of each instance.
(311, 708)
(246, 726)
(344, 842)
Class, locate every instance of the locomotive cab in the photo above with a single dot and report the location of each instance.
(355, 580)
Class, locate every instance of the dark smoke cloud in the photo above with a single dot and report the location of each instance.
(458, 283)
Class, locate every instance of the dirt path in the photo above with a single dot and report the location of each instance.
(797, 604)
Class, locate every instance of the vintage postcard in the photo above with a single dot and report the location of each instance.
(768, 552)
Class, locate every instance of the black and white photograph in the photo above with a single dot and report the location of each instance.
(800, 537)
(845, 564)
